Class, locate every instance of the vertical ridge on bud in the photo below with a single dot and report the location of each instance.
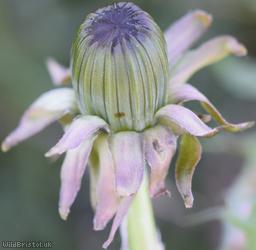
(135, 86)
(120, 67)
(97, 75)
(111, 91)
(149, 82)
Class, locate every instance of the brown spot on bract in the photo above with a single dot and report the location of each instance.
(157, 147)
(119, 114)
(204, 117)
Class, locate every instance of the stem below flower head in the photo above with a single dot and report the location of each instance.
(139, 231)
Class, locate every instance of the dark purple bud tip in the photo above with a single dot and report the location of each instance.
(114, 23)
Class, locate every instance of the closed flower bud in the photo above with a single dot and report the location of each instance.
(120, 67)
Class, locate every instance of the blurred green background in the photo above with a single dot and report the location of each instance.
(30, 31)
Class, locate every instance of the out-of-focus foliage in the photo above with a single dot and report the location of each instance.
(250, 4)
(238, 77)
(238, 214)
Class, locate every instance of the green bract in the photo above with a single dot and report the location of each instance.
(120, 72)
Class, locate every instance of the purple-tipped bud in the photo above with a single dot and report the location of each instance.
(120, 66)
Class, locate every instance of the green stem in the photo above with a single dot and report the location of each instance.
(140, 224)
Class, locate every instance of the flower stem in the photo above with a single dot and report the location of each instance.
(140, 228)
